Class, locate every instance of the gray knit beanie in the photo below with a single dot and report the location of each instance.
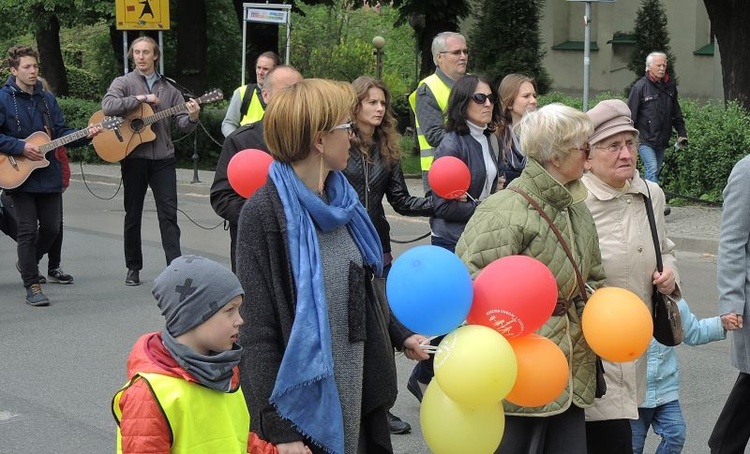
(192, 289)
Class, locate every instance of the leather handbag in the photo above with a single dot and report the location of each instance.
(601, 384)
(665, 311)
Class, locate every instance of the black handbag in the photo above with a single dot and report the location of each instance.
(665, 311)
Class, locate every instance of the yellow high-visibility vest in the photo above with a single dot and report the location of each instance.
(201, 420)
(441, 91)
(255, 110)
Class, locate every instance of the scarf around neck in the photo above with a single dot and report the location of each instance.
(212, 371)
(305, 391)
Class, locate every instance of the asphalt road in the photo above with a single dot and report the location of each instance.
(59, 366)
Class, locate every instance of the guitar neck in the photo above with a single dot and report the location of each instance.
(53, 144)
(151, 119)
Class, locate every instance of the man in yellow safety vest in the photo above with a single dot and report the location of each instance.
(430, 100)
(247, 105)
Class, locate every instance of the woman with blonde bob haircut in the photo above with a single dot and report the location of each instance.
(317, 362)
(508, 223)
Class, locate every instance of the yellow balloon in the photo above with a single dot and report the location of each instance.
(450, 428)
(617, 324)
(475, 366)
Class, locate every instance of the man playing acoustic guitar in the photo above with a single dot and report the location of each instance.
(25, 109)
(150, 163)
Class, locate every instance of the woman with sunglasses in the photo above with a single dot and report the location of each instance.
(472, 110)
(517, 98)
(317, 364)
(508, 223)
(374, 170)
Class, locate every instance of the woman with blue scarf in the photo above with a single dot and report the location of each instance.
(317, 367)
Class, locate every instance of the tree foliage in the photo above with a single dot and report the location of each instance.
(651, 35)
(506, 40)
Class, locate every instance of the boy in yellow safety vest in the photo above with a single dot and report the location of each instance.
(183, 392)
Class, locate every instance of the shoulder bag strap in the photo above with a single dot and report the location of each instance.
(652, 225)
(560, 238)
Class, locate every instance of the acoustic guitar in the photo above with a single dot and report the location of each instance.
(15, 170)
(137, 128)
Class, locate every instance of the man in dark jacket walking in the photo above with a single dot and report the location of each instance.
(655, 110)
(224, 199)
(25, 108)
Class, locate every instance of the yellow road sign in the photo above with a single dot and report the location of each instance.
(142, 14)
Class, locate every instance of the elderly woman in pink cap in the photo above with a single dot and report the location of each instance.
(617, 198)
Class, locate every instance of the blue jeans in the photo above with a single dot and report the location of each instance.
(667, 422)
(652, 161)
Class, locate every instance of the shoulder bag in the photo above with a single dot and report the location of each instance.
(665, 311)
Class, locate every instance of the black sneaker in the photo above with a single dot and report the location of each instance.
(59, 276)
(132, 278)
(397, 426)
(35, 297)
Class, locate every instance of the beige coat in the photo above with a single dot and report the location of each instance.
(629, 261)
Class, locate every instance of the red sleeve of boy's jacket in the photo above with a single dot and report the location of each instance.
(256, 445)
(62, 155)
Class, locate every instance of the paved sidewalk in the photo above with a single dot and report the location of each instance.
(693, 228)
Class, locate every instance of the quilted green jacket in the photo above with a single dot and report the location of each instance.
(505, 224)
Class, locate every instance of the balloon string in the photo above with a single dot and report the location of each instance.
(471, 198)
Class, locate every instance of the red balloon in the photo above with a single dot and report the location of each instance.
(449, 177)
(248, 171)
(514, 295)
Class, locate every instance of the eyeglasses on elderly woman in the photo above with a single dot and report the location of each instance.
(615, 147)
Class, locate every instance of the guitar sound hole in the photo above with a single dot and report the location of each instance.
(136, 124)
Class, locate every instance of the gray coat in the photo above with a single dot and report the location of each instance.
(733, 279)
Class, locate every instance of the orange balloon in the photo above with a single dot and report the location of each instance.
(543, 371)
(617, 324)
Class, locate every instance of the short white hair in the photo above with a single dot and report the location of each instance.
(439, 43)
(650, 57)
(552, 131)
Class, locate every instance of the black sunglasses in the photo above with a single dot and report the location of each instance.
(481, 98)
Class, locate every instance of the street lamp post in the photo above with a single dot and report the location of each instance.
(378, 43)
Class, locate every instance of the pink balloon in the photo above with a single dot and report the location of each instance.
(449, 177)
(248, 171)
(514, 295)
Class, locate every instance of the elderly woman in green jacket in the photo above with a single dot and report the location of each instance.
(554, 138)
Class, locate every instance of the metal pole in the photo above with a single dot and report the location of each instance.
(244, 45)
(161, 58)
(125, 65)
(195, 157)
(288, 35)
(586, 56)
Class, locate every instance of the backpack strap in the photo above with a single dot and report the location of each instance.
(247, 98)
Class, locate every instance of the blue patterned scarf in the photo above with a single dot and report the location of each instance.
(305, 391)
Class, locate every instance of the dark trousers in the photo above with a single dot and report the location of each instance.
(732, 430)
(564, 433)
(613, 436)
(233, 227)
(54, 255)
(38, 217)
(9, 225)
(137, 175)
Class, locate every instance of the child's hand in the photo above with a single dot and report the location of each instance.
(731, 322)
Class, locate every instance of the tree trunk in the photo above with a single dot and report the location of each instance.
(191, 45)
(50, 55)
(729, 19)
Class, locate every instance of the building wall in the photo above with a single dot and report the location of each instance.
(689, 29)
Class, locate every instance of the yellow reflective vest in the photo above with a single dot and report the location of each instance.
(255, 110)
(201, 420)
(441, 92)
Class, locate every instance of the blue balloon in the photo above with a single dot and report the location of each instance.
(429, 290)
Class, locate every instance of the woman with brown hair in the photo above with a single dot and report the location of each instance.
(374, 169)
(517, 97)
